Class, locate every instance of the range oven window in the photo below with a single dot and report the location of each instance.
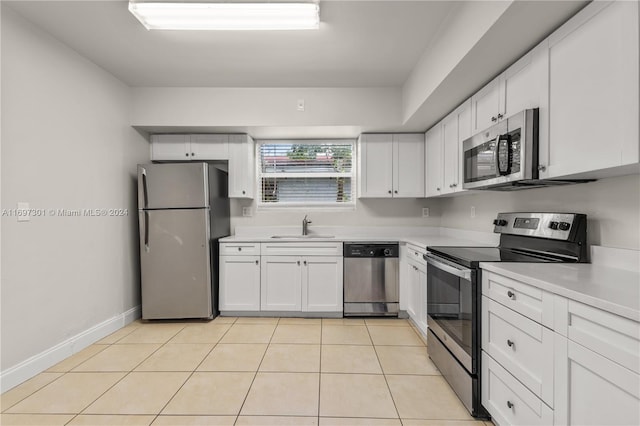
(449, 304)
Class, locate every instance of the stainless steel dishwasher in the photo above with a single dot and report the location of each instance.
(371, 279)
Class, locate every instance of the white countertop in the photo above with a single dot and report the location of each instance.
(611, 289)
(420, 236)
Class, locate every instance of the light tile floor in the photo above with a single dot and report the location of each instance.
(244, 371)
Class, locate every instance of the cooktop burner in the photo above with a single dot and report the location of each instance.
(471, 256)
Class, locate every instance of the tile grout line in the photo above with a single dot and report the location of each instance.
(257, 370)
(384, 374)
(192, 372)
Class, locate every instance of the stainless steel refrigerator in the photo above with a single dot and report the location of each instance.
(183, 211)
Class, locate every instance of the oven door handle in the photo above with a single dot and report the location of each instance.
(458, 272)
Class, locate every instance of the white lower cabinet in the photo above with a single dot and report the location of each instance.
(306, 284)
(417, 287)
(239, 283)
(548, 360)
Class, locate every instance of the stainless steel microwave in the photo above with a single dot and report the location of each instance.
(506, 152)
(505, 156)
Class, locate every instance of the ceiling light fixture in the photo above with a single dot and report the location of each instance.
(226, 16)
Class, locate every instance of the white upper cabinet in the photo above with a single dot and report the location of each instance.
(408, 165)
(444, 163)
(433, 161)
(391, 165)
(520, 87)
(593, 93)
(189, 147)
(170, 147)
(242, 166)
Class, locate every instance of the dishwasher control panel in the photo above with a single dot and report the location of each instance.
(355, 249)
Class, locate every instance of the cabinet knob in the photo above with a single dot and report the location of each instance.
(305, 263)
(395, 192)
(494, 119)
(510, 344)
(186, 154)
(509, 404)
(244, 192)
(389, 191)
(239, 248)
(257, 262)
(298, 263)
(500, 116)
(454, 185)
(192, 154)
(511, 295)
(542, 167)
(437, 189)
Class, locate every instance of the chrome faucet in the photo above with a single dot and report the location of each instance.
(305, 225)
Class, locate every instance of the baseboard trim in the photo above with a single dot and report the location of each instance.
(28, 368)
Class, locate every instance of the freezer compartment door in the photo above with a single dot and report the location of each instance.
(175, 264)
(173, 186)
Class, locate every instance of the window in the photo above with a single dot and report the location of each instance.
(306, 173)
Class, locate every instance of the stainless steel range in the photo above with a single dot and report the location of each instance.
(454, 289)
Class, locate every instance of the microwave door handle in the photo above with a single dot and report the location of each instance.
(509, 155)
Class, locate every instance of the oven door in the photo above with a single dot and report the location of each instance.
(451, 311)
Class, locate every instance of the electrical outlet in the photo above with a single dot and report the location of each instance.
(473, 212)
(300, 105)
(425, 212)
(246, 212)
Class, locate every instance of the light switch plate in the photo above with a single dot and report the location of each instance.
(300, 105)
(246, 212)
(425, 212)
(23, 212)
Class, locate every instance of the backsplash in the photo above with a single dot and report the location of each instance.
(611, 206)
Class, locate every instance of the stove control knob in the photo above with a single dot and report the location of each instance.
(553, 225)
(372, 253)
(564, 226)
(387, 252)
(500, 222)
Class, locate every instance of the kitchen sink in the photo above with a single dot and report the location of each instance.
(303, 237)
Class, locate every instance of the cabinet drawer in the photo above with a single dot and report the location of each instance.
(301, 249)
(508, 401)
(522, 346)
(612, 336)
(527, 300)
(415, 253)
(240, 249)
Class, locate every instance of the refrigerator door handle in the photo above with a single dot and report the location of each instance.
(146, 231)
(145, 192)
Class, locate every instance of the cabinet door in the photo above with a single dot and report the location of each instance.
(413, 301)
(376, 166)
(170, 147)
(593, 92)
(242, 166)
(522, 83)
(408, 165)
(592, 390)
(239, 283)
(209, 147)
(322, 284)
(451, 153)
(433, 161)
(422, 300)
(485, 106)
(280, 278)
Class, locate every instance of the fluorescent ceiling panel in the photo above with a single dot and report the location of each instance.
(227, 16)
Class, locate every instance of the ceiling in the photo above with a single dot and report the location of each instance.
(359, 44)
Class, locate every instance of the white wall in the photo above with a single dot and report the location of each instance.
(612, 206)
(368, 212)
(66, 144)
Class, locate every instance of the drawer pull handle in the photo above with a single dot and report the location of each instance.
(298, 263)
(239, 248)
(511, 295)
(257, 262)
(509, 404)
(510, 344)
